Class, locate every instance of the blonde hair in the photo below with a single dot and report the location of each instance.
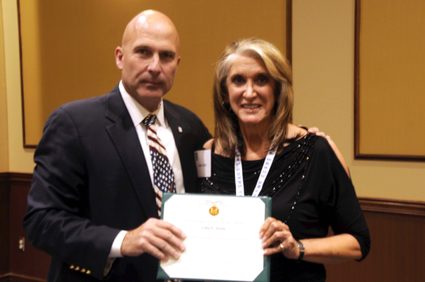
(226, 123)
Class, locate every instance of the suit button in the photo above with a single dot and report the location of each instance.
(77, 268)
(83, 270)
(88, 272)
(72, 267)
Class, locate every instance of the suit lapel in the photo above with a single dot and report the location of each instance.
(180, 128)
(124, 136)
(182, 132)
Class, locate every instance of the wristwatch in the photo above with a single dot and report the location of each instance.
(301, 248)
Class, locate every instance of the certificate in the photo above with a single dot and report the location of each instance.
(222, 240)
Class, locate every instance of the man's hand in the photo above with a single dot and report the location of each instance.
(156, 237)
(316, 131)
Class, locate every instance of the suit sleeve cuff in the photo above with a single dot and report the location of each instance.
(116, 245)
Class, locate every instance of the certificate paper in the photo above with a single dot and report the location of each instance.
(222, 237)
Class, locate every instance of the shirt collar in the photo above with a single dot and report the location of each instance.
(138, 112)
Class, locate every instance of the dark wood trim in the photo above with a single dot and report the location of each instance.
(15, 177)
(13, 277)
(20, 177)
(8, 177)
(27, 146)
(377, 157)
(356, 81)
(4, 223)
(399, 207)
(367, 203)
(4, 176)
(289, 30)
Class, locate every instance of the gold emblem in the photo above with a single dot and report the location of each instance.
(214, 210)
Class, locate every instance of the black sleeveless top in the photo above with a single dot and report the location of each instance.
(310, 192)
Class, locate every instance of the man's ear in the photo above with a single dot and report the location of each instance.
(118, 57)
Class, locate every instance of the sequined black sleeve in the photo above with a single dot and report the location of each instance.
(342, 206)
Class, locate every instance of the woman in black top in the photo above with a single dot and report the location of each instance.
(310, 189)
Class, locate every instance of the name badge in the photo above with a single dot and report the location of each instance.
(203, 163)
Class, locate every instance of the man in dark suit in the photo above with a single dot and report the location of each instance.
(91, 205)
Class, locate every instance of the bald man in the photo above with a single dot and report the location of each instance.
(92, 204)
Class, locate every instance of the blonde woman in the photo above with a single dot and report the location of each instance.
(309, 186)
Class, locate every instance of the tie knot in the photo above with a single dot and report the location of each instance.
(149, 120)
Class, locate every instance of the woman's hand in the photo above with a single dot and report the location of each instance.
(277, 238)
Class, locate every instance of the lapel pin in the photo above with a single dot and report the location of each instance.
(180, 129)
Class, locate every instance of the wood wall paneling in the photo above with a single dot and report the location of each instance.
(397, 230)
(13, 277)
(397, 252)
(55, 33)
(4, 224)
(32, 264)
(389, 84)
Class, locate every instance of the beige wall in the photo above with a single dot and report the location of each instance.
(4, 144)
(20, 159)
(323, 61)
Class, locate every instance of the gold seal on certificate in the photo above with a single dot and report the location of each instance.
(214, 210)
(216, 228)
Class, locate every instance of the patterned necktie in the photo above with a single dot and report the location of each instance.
(163, 176)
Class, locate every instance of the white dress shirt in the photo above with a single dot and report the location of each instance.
(138, 113)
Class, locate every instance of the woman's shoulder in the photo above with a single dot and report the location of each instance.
(209, 144)
(214, 145)
(294, 132)
(327, 146)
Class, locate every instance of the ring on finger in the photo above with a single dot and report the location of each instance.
(282, 248)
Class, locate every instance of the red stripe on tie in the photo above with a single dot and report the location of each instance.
(150, 128)
(155, 141)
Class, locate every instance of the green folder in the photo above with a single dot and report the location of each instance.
(264, 276)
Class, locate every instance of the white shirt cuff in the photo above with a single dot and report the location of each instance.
(116, 245)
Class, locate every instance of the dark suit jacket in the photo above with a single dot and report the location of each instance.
(91, 181)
